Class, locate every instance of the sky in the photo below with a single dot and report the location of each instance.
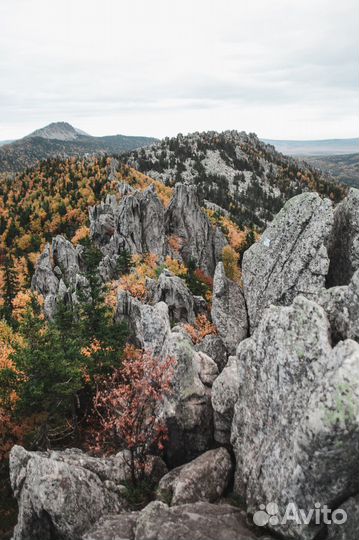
(284, 69)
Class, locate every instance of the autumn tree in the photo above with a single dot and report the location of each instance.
(128, 406)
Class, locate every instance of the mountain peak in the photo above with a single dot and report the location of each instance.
(62, 131)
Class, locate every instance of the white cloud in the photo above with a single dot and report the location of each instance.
(284, 68)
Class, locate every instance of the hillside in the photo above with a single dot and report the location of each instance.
(235, 170)
(62, 140)
(344, 168)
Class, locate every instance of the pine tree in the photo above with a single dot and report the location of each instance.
(10, 289)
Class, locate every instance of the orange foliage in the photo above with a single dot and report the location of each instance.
(81, 233)
(201, 328)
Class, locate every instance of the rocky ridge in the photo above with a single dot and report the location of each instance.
(233, 170)
(283, 399)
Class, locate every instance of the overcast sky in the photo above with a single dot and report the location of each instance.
(280, 68)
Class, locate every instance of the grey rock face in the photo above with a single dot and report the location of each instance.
(61, 494)
(295, 429)
(229, 312)
(135, 223)
(349, 529)
(57, 274)
(149, 325)
(185, 219)
(341, 305)
(174, 292)
(291, 257)
(188, 410)
(224, 397)
(203, 479)
(214, 347)
(199, 521)
(344, 241)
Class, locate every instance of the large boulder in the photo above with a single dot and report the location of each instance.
(149, 325)
(290, 258)
(224, 397)
(295, 429)
(349, 529)
(61, 494)
(213, 346)
(344, 241)
(174, 292)
(185, 219)
(199, 521)
(229, 312)
(341, 304)
(188, 410)
(203, 479)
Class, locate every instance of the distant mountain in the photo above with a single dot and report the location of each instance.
(5, 142)
(344, 168)
(246, 177)
(60, 139)
(315, 148)
(62, 131)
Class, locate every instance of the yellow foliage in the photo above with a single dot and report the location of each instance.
(81, 233)
(176, 267)
(230, 260)
(22, 301)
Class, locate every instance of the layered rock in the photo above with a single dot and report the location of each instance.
(203, 479)
(295, 429)
(229, 312)
(291, 257)
(344, 241)
(202, 521)
(186, 220)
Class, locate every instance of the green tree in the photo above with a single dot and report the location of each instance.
(10, 289)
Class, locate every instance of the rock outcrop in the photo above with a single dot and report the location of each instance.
(188, 410)
(57, 273)
(203, 479)
(174, 292)
(61, 494)
(224, 396)
(291, 257)
(148, 325)
(295, 429)
(186, 220)
(344, 241)
(341, 305)
(213, 346)
(135, 223)
(202, 521)
(229, 312)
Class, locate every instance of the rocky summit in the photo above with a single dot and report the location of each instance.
(263, 411)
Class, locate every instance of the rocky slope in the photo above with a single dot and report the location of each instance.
(236, 170)
(60, 139)
(267, 401)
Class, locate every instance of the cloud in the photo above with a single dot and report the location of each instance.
(284, 69)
